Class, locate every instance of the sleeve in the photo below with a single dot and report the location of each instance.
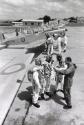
(59, 45)
(67, 71)
(40, 68)
(36, 79)
(66, 40)
(65, 66)
(61, 68)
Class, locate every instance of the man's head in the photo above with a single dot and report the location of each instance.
(47, 35)
(30, 75)
(48, 58)
(66, 30)
(68, 60)
(62, 34)
(59, 57)
(55, 36)
(38, 62)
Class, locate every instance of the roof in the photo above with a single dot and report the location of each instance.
(17, 22)
(25, 20)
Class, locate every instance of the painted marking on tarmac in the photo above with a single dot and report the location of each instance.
(12, 69)
(7, 63)
(10, 86)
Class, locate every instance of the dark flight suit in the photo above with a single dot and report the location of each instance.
(68, 80)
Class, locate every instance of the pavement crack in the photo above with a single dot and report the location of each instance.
(26, 113)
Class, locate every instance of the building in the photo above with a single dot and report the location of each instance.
(32, 23)
(17, 24)
(28, 26)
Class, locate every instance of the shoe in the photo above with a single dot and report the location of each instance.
(64, 51)
(67, 107)
(36, 105)
(42, 96)
(49, 94)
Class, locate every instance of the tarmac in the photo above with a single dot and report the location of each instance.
(51, 111)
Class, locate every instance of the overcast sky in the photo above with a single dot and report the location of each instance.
(33, 9)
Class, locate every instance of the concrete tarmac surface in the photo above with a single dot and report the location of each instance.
(12, 67)
(51, 111)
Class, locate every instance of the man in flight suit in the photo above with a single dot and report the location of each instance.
(47, 74)
(35, 78)
(49, 44)
(68, 80)
(59, 78)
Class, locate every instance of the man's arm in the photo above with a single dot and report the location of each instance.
(66, 40)
(61, 68)
(59, 45)
(65, 72)
(36, 79)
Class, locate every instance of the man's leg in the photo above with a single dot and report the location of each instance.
(51, 48)
(67, 96)
(48, 86)
(35, 97)
(47, 83)
(57, 83)
(43, 85)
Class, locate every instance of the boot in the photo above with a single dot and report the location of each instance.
(36, 105)
(67, 107)
(42, 96)
(49, 94)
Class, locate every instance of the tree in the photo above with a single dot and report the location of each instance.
(73, 19)
(46, 19)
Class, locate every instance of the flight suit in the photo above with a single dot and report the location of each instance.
(50, 45)
(59, 77)
(68, 80)
(42, 81)
(62, 43)
(47, 75)
(36, 87)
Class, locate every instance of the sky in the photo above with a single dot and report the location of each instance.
(33, 9)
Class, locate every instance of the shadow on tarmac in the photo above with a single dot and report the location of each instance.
(26, 95)
(37, 50)
(57, 98)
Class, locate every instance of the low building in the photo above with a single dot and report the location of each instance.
(28, 26)
(32, 23)
(16, 24)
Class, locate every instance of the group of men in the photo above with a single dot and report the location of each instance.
(40, 75)
(56, 41)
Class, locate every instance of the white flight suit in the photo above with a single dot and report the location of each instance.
(36, 86)
(38, 83)
(62, 43)
(57, 44)
(59, 77)
(50, 45)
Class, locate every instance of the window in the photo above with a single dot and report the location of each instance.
(38, 24)
(32, 23)
(25, 23)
